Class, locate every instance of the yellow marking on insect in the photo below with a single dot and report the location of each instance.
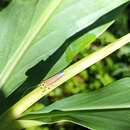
(42, 87)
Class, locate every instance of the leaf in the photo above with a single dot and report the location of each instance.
(104, 109)
(77, 46)
(28, 36)
(41, 69)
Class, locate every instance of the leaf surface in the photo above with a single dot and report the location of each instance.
(33, 30)
(105, 109)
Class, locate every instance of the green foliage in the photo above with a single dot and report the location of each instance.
(26, 41)
(100, 109)
(115, 66)
(59, 34)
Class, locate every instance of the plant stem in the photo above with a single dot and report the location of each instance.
(47, 86)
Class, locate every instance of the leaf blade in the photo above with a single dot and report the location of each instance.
(104, 109)
(55, 32)
(31, 34)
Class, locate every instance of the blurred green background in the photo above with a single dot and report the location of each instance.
(114, 67)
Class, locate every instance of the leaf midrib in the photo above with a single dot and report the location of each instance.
(25, 44)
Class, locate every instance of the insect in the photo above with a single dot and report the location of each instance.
(51, 80)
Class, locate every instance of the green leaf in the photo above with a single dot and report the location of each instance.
(104, 109)
(77, 46)
(33, 30)
(66, 58)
